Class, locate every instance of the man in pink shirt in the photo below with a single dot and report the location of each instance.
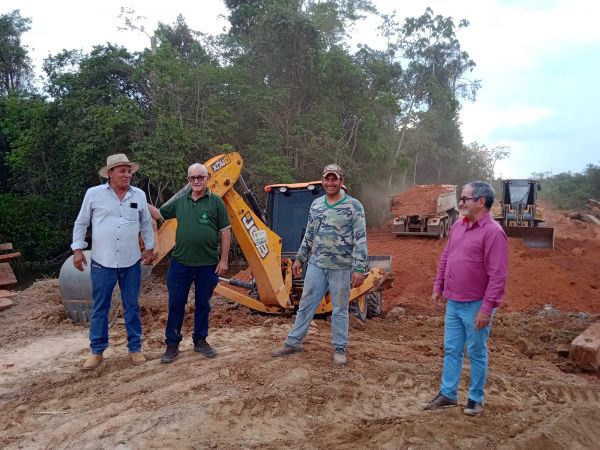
(471, 275)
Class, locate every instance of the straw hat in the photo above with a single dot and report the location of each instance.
(120, 159)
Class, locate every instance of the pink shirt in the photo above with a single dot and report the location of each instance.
(474, 264)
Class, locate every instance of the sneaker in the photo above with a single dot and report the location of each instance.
(472, 408)
(92, 361)
(440, 402)
(339, 357)
(170, 355)
(201, 346)
(286, 350)
(137, 358)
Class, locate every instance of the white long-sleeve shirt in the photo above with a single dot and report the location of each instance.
(115, 225)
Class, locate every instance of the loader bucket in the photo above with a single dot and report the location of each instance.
(533, 237)
(380, 262)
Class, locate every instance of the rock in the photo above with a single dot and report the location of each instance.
(318, 400)
(408, 383)
(6, 303)
(269, 322)
(515, 429)
(563, 349)
(585, 348)
(578, 251)
(298, 374)
(356, 323)
(394, 314)
(392, 378)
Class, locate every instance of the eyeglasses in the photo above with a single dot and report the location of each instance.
(198, 178)
(464, 199)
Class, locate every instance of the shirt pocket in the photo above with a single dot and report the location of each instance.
(130, 214)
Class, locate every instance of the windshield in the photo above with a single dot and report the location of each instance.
(288, 214)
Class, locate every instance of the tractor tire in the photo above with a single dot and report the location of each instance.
(374, 304)
(359, 308)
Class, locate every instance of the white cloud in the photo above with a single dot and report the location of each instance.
(479, 121)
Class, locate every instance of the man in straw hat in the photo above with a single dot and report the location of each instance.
(117, 212)
(334, 250)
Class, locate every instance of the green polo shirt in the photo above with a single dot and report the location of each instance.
(199, 223)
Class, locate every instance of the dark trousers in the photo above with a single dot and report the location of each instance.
(179, 281)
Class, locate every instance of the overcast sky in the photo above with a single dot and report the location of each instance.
(538, 62)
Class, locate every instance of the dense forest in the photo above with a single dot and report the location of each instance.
(282, 86)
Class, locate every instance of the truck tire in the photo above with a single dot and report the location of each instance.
(374, 304)
(359, 308)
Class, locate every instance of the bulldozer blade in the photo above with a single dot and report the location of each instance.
(533, 237)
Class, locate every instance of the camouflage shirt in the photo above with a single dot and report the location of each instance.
(336, 235)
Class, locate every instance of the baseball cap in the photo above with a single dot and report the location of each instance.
(333, 168)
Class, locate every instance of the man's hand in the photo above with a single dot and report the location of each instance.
(357, 279)
(222, 268)
(297, 268)
(148, 257)
(79, 260)
(482, 319)
(438, 299)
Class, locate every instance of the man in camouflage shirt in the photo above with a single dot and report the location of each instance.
(335, 247)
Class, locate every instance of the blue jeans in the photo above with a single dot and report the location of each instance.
(104, 280)
(179, 281)
(460, 330)
(316, 282)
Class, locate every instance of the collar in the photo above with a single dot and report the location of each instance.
(480, 223)
(108, 186)
(336, 203)
(207, 193)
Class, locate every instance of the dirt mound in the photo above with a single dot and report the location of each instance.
(420, 199)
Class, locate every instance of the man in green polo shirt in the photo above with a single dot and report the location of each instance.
(201, 219)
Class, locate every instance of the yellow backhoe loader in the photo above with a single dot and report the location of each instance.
(269, 240)
(520, 215)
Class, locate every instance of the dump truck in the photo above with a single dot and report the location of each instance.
(268, 239)
(520, 215)
(425, 210)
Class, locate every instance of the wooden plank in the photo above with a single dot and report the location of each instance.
(9, 256)
(7, 276)
(7, 246)
(5, 294)
(6, 303)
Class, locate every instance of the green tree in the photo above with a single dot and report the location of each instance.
(15, 65)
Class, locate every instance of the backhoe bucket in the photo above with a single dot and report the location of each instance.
(533, 237)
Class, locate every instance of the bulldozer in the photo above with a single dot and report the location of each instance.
(268, 239)
(520, 215)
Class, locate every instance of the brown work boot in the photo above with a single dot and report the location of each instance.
(440, 402)
(286, 350)
(92, 361)
(137, 358)
(339, 357)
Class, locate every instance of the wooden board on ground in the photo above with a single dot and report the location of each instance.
(7, 276)
(5, 294)
(6, 303)
(8, 256)
(7, 246)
